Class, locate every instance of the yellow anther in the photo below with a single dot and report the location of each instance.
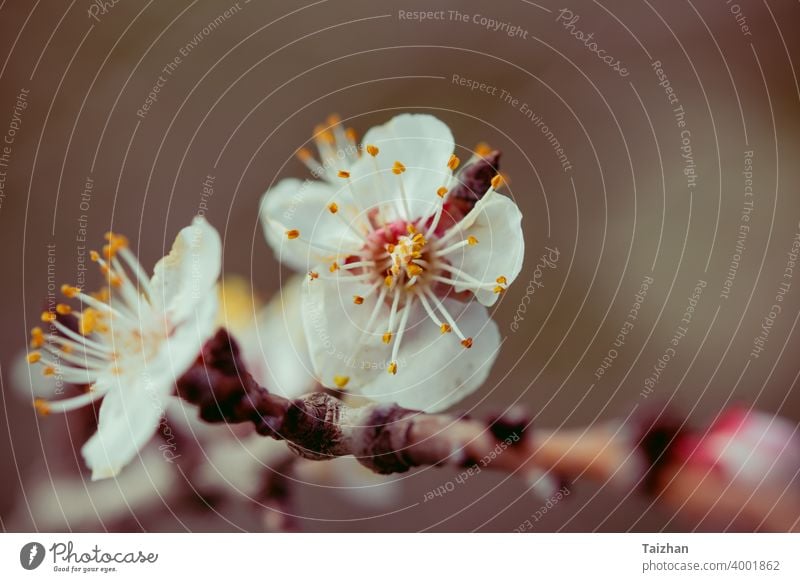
(41, 406)
(499, 289)
(313, 275)
(497, 181)
(483, 149)
(102, 295)
(372, 150)
(304, 154)
(472, 241)
(94, 255)
(387, 337)
(69, 291)
(63, 309)
(413, 270)
(502, 280)
(88, 321)
(333, 207)
(334, 267)
(390, 248)
(453, 162)
(445, 327)
(351, 134)
(343, 174)
(341, 381)
(34, 357)
(358, 299)
(114, 280)
(48, 371)
(441, 192)
(392, 368)
(388, 280)
(67, 349)
(333, 119)
(398, 168)
(411, 228)
(48, 317)
(37, 337)
(419, 239)
(467, 343)
(109, 251)
(292, 234)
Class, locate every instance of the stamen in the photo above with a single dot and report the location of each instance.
(497, 181)
(34, 357)
(467, 343)
(398, 168)
(48, 317)
(392, 368)
(37, 337)
(69, 291)
(63, 309)
(441, 192)
(443, 310)
(501, 280)
(453, 162)
(483, 149)
(343, 174)
(446, 328)
(372, 150)
(292, 234)
(358, 299)
(313, 275)
(333, 207)
(341, 381)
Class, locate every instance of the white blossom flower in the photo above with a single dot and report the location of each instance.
(394, 263)
(133, 340)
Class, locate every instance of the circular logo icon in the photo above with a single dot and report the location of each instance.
(31, 555)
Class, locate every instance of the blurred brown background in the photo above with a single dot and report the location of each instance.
(247, 95)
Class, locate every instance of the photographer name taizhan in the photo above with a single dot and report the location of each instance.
(664, 549)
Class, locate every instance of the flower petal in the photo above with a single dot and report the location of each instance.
(189, 272)
(135, 399)
(496, 223)
(303, 206)
(423, 144)
(275, 349)
(434, 369)
(128, 419)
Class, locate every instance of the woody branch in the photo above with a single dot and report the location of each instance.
(388, 438)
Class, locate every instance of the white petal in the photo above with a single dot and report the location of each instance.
(136, 398)
(128, 419)
(189, 272)
(423, 144)
(496, 223)
(275, 350)
(434, 369)
(303, 205)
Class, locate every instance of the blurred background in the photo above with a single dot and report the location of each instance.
(634, 153)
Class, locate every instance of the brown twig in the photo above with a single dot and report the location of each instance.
(388, 438)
